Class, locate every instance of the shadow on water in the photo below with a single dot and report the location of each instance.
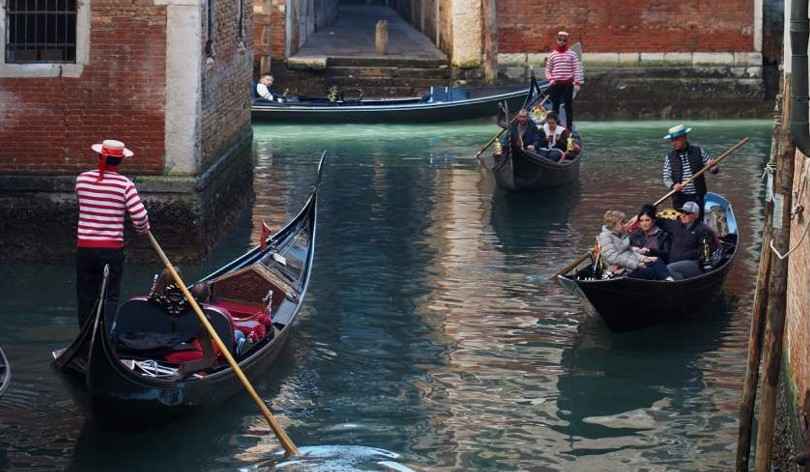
(616, 389)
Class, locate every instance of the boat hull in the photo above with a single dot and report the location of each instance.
(627, 304)
(529, 171)
(394, 113)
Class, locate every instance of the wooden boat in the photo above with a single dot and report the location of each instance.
(626, 303)
(5, 372)
(524, 170)
(110, 379)
(439, 105)
(518, 170)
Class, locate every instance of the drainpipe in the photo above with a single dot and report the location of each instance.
(799, 31)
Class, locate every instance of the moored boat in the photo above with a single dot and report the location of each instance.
(5, 372)
(135, 366)
(441, 104)
(626, 303)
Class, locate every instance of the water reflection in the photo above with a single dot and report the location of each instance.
(430, 338)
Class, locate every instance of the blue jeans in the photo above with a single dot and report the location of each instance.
(684, 269)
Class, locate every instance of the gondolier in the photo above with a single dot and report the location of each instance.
(681, 163)
(104, 198)
(565, 75)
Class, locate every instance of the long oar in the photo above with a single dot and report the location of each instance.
(500, 133)
(277, 429)
(728, 152)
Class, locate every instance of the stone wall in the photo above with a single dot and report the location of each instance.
(47, 123)
(226, 78)
(628, 26)
(305, 17)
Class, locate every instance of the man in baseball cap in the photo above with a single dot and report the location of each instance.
(688, 237)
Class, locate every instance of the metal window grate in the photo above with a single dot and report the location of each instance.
(40, 31)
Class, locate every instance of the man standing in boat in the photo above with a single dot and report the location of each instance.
(681, 163)
(564, 74)
(104, 197)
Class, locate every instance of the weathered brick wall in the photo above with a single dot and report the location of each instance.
(48, 124)
(226, 78)
(262, 35)
(627, 25)
(797, 323)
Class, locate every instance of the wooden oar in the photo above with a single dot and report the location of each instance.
(730, 150)
(285, 440)
(500, 133)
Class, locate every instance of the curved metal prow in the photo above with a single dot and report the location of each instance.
(319, 170)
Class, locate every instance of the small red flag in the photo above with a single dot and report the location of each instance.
(264, 236)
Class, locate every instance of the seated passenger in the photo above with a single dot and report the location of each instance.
(622, 257)
(646, 235)
(688, 239)
(523, 133)
(554, 140)
(265, 92)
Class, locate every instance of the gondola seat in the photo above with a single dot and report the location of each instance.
(145, 329)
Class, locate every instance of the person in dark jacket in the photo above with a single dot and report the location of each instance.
(680, 164)
(554, 138)
(523, 133)
(688, 237)
(647, 235)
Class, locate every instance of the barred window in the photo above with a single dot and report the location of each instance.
(40, 31)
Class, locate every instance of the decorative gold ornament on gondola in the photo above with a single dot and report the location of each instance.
(538, 114)
(498, 148)
(570, 144)
(333, 93)
(667, 213)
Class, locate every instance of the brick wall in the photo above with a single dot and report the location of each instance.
(797, 322)
(262, 34)
(48, 124)
(628, 25)
(226, 78)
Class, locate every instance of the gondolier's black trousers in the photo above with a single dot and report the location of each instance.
(90, 264)
(563, 94)
(679, 198)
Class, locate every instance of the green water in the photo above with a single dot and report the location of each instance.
(430, 338)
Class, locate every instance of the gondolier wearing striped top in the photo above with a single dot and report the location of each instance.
(680, 164)
(564, 73)
(105, 197)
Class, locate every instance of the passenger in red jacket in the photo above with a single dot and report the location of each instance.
(104, 197)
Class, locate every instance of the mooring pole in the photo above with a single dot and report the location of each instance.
(777, 295)
(758, 314)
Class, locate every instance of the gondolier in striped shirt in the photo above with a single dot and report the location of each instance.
(681, 163)
(104, 197)
(564, 73)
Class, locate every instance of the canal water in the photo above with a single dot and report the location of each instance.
(431, 337)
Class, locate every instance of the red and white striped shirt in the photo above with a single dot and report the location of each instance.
(564, 67)
(102, 207)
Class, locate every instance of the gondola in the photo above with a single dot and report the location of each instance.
(5, 372)
(517, 170)
(627, 304)
(115, 371)
(439, 105)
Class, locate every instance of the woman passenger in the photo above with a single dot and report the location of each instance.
(617, 252)
(647, 235)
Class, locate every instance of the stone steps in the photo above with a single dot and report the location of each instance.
(399, 78)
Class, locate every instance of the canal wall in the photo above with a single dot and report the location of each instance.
(167, 77)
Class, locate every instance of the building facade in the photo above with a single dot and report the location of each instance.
(725, 52)
(170, 78)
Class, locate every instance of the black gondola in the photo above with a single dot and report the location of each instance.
(626, 303)
(5, 372)
(439, 105)
(111, 380)
(518, 170)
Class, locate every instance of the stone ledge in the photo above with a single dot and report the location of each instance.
(643, 58)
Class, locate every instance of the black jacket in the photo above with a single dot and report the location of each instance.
(531, 135)
(687, 241)
(659, 243)
(694, 155)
